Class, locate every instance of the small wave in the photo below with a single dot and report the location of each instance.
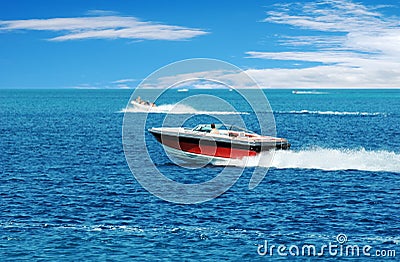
(327, 159)
(335, 113)
(202, 232)
(309, 92)
(384, 240)
(11, 225)
(178, 109)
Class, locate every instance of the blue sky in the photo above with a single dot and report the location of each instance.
(282, 44)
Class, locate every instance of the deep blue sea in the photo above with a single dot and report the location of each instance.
(67, 193)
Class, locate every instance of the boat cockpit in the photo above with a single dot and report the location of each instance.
(228, 130)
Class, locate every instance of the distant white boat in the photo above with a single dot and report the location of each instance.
(183, 90)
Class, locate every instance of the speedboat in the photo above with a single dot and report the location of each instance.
(231, 142)
(145, 105)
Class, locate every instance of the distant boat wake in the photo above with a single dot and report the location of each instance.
(334, 113)
(177, 109)
(308, 92)
(328, 160)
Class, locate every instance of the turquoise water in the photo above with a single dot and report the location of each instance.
(67, 192)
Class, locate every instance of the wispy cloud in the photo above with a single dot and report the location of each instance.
(325, 57)
(103, 27)
(124, 81)
(354, 46)
(328, 15)
(99, 12)
(213, 78)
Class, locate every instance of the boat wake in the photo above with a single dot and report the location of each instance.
(327, 159)
(309, 92)
(178, 109)
(335, 113)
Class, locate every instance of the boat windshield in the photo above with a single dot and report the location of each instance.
(204, 128)
(238, 129)
(207, 128)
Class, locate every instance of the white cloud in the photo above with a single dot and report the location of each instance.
(128, 83)
(326, 57)
(327, 77)
(99, 12)
(123, 86)
(123, 81)
(213, 78)
(354, 46)
(329, 15)
(330, 76)
(103, 27)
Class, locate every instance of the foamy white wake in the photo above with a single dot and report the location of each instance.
(178, 109)
(309, 93)
(337, 113)
(328, 159)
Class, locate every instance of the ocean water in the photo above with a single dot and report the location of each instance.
(67, 193)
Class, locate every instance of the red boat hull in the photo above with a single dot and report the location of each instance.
(206, 147)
